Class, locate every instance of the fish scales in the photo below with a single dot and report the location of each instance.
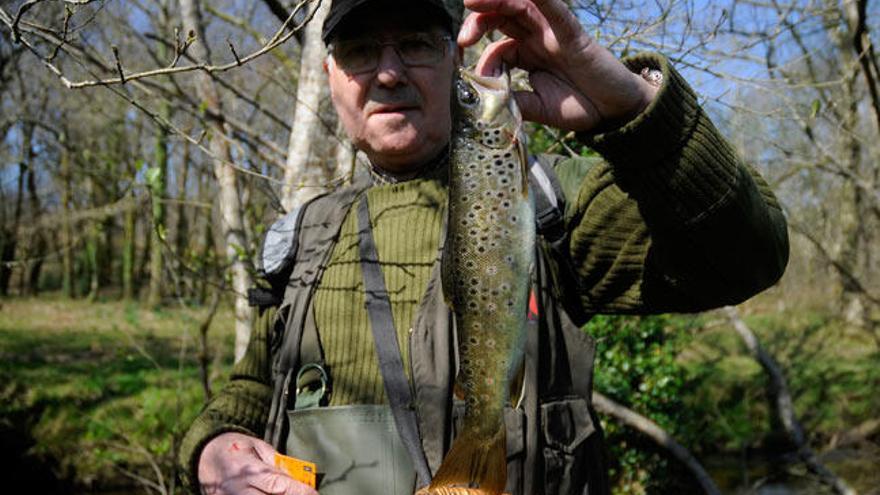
(486, 272)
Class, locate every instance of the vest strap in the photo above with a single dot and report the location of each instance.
(397, 386)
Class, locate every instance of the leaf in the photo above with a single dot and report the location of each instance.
(814, 108)
(239, 251)
(153, 177)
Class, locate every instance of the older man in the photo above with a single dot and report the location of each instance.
(667, 220)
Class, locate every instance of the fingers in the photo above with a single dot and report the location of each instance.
(530, 106)
(560, 18)
(478, 24)
(264, 451)
(515, 18)
(529, 15)
(277, 483)
(555, 102)
(495, 55)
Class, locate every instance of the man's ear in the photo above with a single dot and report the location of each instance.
(324, 64)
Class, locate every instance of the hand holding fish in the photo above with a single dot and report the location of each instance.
(577, 84)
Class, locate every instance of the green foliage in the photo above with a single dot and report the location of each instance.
(545, 140)
(154, 179)
(831, 372)
(103, 387)
(636, 366)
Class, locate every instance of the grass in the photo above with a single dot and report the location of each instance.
(102, 389)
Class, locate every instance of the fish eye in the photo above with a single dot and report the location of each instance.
(466, 94)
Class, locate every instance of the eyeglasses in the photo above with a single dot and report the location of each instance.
(360, 56)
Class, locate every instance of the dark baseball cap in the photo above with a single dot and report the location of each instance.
(339, 9)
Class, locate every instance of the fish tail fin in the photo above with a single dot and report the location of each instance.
(474, 464)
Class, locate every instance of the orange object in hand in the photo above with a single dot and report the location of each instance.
(298, 469)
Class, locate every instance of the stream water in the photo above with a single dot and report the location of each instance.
(779, 476)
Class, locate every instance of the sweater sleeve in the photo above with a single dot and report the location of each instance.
(671, 219)
(241, 406)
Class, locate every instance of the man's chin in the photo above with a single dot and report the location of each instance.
(400, 156)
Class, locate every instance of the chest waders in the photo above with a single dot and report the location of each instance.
(554, 442)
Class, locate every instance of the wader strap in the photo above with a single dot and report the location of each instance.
(549, 203)
(397, 386)
(321, 223)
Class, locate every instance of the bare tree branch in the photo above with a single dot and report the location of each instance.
(278, 39)
(647, 427)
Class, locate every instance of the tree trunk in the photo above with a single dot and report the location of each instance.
(35, 246)
(37, 249)
(129, 229)
(230, 207)
(181, 229)
(853, 304)
(158, 186)
(12, 242)
(67, 267)
(92, 270)
(302, 178)
(7, 256)
(206, 257)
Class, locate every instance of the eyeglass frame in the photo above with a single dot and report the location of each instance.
(445, 39)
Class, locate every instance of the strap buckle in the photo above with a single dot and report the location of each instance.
(308, 395)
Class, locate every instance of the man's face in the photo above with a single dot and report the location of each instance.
(399, 116)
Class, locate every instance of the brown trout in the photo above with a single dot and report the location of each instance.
(487, 260)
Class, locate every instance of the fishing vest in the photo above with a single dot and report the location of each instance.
(554, 440)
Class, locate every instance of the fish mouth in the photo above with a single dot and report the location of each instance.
(498, 82)
(485, 98)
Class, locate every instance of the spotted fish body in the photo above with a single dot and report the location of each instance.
(487, 260)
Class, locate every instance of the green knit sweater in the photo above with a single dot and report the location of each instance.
(668, 219)
(406, 219)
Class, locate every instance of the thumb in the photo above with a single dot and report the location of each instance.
(264, 451)
(530, 106)
(278, 483)
(495, 55)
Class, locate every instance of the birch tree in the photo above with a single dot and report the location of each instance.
(302, 176)
(232, 224)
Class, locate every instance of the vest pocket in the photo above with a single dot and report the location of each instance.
(515, 429)
(565, 425)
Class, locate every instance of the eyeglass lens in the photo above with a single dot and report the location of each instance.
(363, 55)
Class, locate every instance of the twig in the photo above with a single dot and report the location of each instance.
(118, 64)
(278, 39)
(27, 6)
(204, 353)
(232, 49)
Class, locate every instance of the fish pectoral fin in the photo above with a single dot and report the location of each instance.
(457, 389)
(474, 462)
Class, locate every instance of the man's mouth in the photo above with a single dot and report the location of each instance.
(379, 109)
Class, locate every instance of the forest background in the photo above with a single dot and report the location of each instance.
(146, 145)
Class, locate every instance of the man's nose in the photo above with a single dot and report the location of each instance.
(390, 70)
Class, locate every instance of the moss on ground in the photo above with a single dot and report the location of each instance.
(104, 390)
